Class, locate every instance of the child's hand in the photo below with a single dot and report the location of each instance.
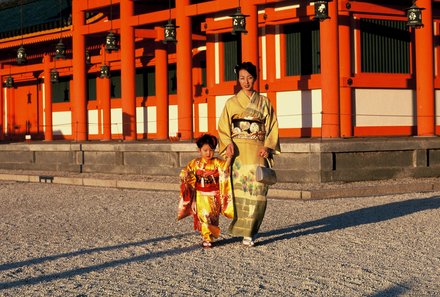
(194, 207)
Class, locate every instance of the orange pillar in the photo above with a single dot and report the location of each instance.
(48, 129)
(105, 100)
(79, 90)
(425, 72)
(210, 82)
(10, 93)
(162, 123)
(249, 44)
(128, 71)
(330, 72)
(184, 71)
(2, 116)
(345, 73)
(270, 63)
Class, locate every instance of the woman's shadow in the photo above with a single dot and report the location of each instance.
(353, 218)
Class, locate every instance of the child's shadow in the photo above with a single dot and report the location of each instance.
(353, 218)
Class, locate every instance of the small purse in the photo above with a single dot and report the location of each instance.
(266, 175)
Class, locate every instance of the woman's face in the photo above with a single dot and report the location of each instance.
(246, 81)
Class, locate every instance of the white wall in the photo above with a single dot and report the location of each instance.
(384, 107)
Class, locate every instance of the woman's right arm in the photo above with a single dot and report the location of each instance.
(226, 147)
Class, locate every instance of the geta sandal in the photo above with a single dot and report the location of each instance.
(206, 244)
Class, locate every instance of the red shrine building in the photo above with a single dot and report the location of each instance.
(129, 70)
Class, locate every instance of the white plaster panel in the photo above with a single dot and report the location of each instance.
(437, 106)
(141, 119)
(384, 107)
(93, 121)
(116, 116)
(173, 122)
(203, 117)
(152, 119)
(263, 55)
(62, 123)
(316, 108)
(217, 59)
(299, 109)
(219, 104)
(277, 52)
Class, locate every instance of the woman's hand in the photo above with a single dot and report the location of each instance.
(263, 152)
(230, 150)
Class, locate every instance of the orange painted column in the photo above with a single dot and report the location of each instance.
(48, 129)
(270, 64)
(79, 90)
(128, 71)
(184, 71)
(162, 113)
(346, 122)
(10, 93)
(210, 82)
(104, 97)
(425, 72)
(2, 106)
(249, 44)
(330, 73)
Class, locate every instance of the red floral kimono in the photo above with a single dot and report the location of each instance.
(207, 184)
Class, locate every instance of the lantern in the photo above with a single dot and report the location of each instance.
(54, 76)
(238, 22)
(111, 42)
(414, 14)
(169, 33)
(105, 71)
(321, 10)
(21, 56)
(9, 83)
(60, 50)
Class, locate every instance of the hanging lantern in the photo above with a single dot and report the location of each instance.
(88, 58)
(21, 56)
(414, 14)
(54, 76)
(60, 50)
(321, 10)
(111, 42)
(169, 32)
(105, 71)
(9, 83)
(238, 22)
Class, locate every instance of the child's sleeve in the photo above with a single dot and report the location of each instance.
(187, 192)
(225, 187)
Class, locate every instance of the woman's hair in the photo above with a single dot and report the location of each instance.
(248, 66)
(208, 139)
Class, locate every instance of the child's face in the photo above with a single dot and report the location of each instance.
(206, 152)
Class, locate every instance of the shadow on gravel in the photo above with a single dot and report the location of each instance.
(353, 218)
(79, 271)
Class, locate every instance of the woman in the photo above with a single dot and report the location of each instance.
(248, 133)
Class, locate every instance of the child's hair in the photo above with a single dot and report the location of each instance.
(248, 66)
(208, 139)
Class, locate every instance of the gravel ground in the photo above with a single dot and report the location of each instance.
(60, 240)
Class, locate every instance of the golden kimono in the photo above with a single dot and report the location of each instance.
(250, 124)
(207, 184)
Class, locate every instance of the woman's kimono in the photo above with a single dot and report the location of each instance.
(207, 184)
(250, 124)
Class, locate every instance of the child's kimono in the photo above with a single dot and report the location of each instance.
(208, 185)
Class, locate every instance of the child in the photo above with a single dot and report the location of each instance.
(205, 190)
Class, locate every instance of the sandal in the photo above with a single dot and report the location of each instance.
(247, 241)
(206, 244)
